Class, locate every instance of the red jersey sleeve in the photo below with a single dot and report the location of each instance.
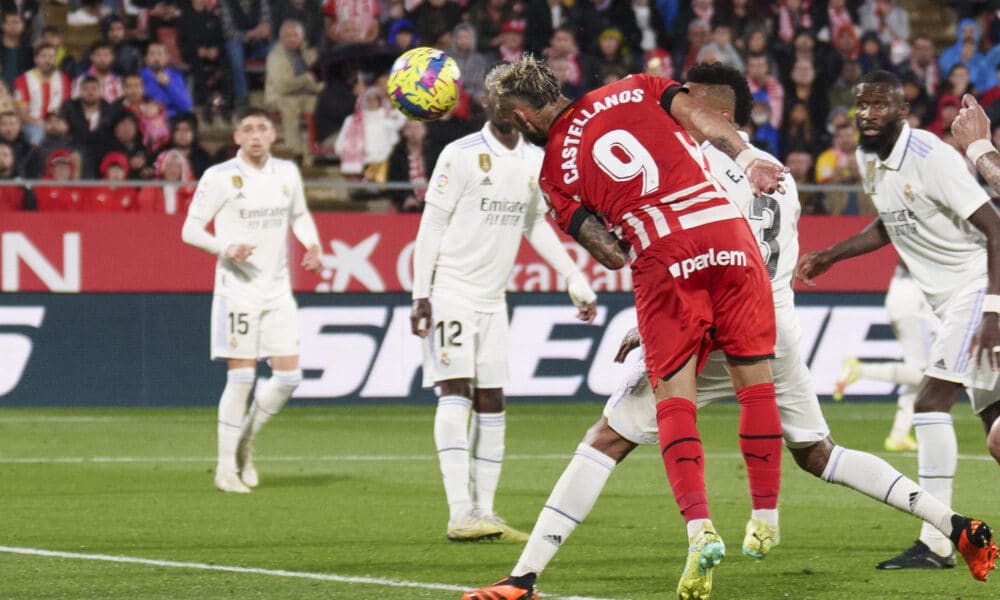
(562, 206)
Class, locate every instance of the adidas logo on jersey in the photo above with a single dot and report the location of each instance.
(722, 258)
(940, 364)
(486, 181)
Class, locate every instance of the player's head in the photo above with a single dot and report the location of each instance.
(254, 133)
(880, 110)
(723, 88)
(523, 90)
(500, 120)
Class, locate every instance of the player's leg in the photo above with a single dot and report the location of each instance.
(991, 421)
(569, 503)
(279, 340)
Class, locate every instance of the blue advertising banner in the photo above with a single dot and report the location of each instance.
(152, 349)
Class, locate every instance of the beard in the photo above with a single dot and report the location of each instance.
(537, 138)
(883, 141)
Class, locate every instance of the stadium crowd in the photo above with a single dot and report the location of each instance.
(132, 107)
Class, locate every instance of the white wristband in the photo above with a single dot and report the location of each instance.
(991, 303)
(978, 148)
(744, 158)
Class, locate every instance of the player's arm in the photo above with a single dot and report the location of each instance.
(987, 219)
(206, 204)
(869, 239)
(763, 176)
(304, 229)
(591, 233)
(544, 240)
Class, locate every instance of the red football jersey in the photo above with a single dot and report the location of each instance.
(618, 153)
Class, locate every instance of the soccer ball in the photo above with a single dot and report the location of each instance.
(424, 84)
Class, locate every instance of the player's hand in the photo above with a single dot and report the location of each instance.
(630, 342)
(420, 317)
(987, 340)
(239, 252)
(810, 265)
(765, 177)
(312, 261)
(587, 312)
(971, 124)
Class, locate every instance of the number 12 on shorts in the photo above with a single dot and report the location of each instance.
(238, 323)
(447, 334)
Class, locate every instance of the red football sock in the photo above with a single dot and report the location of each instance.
(760, 443)
(683, 456)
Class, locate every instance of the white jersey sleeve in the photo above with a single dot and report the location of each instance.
(208, 198)
(448, 180)
(949, 181)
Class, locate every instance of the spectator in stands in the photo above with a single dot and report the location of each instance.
(402, 36)
(77, 16)
(847, 43)
(698, 33)
(162, 13)
(124, 136)
(720, 48)
(798, 132)
(658, 64)
(687, 12)
(825, 60)
(434, 17)
(368, 136)
(611, 56)
(203, 48)
(101, 59)
(805, 88)
(411, 162)
(651, 29)
(890, 22)
(511, 40)
(765, 135)
(17, 55)
(968, 34)
(837, 164)
(32, 18)
(12, 134)
(922, 64)
(112, 198)
(947, 110)
(11, 196)
(471, 63)
(756, 41)
(579, 69)
(246, 25)
(765, 87)
(64, 60)
(349, 22)
(40, 90)
(128, 57)
(841, 93)
(487, 18)
(163, 84)
(57, 137)
(543, 16)
(959, 82)
(290, 87)
(921, 105)
(800, 167)
(792, 15)
(741, 15)
(307, 12)
(7, 103)
(836, 16)
(184, 139)
(87, 113)
(59, 167)
(872, 55)
(172, 198)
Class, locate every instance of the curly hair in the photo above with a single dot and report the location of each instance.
(721, 74)
(526, 79)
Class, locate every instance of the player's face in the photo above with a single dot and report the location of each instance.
(254, 135)
(501, 122)
(879, 115)
(525, 119)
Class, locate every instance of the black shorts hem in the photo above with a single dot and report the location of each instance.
(748, 359)
(678, 369)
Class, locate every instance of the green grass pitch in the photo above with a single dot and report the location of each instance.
(355, 492)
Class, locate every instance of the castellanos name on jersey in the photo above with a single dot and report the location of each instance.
(252, 206)
(492, 194)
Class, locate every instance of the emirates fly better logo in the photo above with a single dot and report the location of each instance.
(722, 258)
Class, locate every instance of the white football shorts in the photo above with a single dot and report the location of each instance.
(244, 330)
(631, 410)
(465, 344)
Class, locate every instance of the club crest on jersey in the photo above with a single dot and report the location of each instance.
(237, 181)
(908, 192)
(233, 342)
(485, 163)
(445, 359)
(284, 190)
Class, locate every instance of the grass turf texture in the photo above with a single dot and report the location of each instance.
(356, 492)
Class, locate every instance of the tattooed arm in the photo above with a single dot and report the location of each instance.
(606, 248)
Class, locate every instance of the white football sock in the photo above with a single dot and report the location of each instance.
(273, 395)
(877, 479)
(232, 407)
(768, 515)
(567, 506)
(903, 421)
(451, 436)
(694, 527)
(937, 461)
(487, 459)
(891, 371)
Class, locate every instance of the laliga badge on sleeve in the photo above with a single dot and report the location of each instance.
(237, 181)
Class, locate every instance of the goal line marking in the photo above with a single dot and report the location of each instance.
(377, 581)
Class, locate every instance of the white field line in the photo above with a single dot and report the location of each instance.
(377, 581)
(366, 458)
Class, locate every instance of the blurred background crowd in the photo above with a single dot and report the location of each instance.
(146, 89)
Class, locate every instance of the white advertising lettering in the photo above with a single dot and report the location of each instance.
(16, 248)
(16, 348)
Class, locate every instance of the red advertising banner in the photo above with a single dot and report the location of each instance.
(73, 253)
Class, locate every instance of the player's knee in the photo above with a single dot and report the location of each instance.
(288, 379)
(604, 439)
(936, 395)
(813, 459)
(243, 376)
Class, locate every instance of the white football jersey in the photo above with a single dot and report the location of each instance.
(925, 194)
(252, 206)
(774, 220)
(492, 195)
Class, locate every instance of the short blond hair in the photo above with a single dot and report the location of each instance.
(526, 79)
